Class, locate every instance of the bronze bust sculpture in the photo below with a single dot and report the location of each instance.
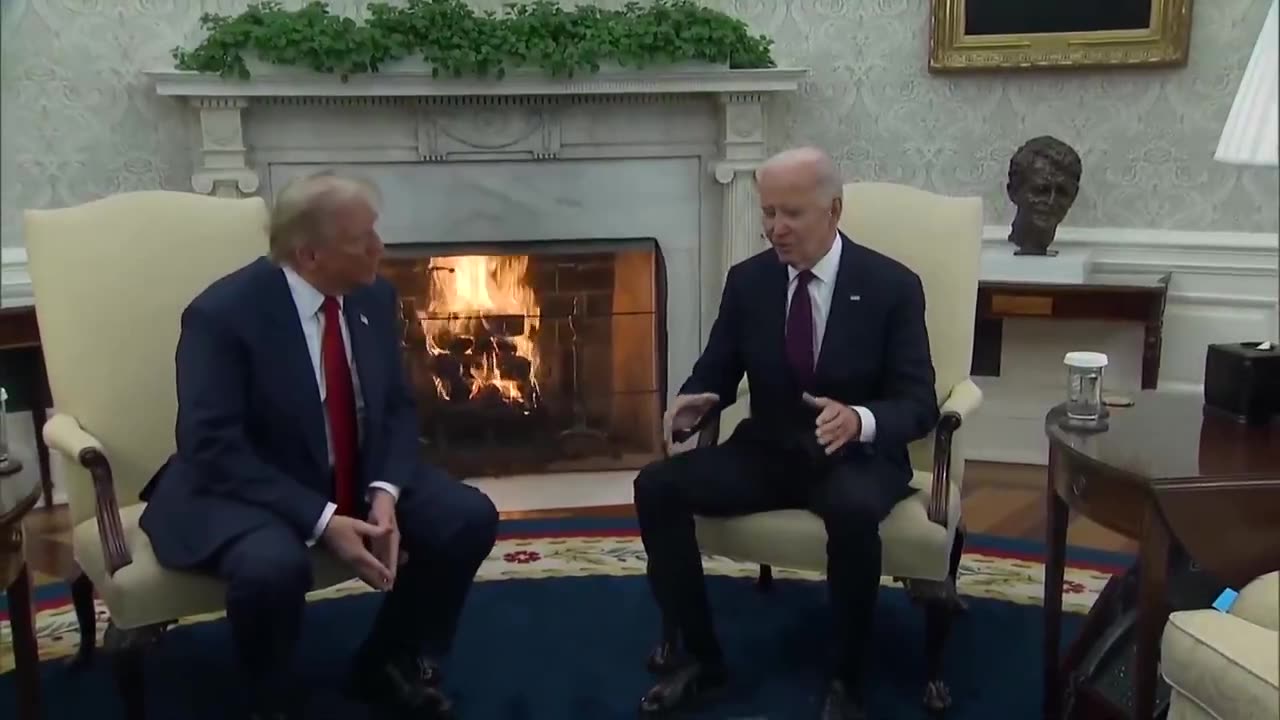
(1044, 178)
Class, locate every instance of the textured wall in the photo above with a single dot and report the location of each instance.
(81, 121)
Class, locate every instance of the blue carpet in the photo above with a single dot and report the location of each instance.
(574, 648)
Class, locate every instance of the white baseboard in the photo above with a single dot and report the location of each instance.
(15, 283)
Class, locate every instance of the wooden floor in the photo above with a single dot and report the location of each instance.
(999, 499)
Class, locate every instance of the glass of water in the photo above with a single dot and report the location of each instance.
(4, 428)
(1084, 384)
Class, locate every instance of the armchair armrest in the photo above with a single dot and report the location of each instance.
(964, 399)
(961, 402)
(64, 434)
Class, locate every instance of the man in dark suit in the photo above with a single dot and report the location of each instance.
(831, 336)
(295, 426)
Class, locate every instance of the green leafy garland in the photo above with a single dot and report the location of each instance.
(455, 41)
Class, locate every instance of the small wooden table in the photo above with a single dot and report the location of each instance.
(20, 336)
(18, 494)
(1116, 298)
(1166, 472)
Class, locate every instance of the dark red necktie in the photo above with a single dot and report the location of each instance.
(800, 331)
(340, 407)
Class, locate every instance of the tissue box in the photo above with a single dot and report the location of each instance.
(1242, 381)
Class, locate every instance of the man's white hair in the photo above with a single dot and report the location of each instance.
(810, 158)
(301, 214)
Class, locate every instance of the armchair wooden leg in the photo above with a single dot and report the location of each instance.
(86, 618)
(126, 649)
(764, 583)
(941, 604)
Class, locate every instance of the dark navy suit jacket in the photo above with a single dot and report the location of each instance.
(875, 353)
(251, 446)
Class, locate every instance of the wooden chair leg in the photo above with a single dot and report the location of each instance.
(127, 649)
(941, 604)
(764, 583)
(86, 618)
(26, 651)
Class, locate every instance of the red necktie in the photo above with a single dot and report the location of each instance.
(340, 407)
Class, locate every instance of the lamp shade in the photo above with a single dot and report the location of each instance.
(1252, 133)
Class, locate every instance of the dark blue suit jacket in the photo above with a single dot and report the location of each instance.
(875, 353)
(251, 446)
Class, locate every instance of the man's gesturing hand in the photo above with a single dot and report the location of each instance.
(684, 413)
(346, 537)
(837, 424)
(382, 514)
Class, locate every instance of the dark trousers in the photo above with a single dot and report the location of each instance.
(851, 495)
(446, 528)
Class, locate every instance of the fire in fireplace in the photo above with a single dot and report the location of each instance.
(533, 357)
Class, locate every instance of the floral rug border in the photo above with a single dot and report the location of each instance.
(981, 575)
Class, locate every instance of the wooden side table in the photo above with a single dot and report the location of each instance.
(1130, 298)
(20, 338)
(1169, 474)
(18, 494)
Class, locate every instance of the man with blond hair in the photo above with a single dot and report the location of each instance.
(831, 337)
(295, 426)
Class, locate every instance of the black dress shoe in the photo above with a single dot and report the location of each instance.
(843, 703)
(663, 659)
(687, 685)
(405, 686)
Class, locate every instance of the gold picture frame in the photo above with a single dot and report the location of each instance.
(975, 35)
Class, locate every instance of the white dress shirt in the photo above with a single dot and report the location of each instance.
(308, 301)
(821, 287)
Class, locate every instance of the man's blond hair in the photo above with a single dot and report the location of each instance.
(301, 213)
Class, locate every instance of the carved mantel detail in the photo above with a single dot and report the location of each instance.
(223, 168)
(462, 129)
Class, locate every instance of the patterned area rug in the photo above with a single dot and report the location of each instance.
(992, 568)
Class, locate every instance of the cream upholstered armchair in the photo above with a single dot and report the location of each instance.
(1226, 666)
(111, 279)
(940, 238)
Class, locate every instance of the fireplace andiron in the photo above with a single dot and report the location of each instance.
(581, 430)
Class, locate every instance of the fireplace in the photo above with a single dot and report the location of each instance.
(534, 357)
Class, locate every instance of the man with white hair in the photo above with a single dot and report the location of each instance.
(831, 337)
(296, 426)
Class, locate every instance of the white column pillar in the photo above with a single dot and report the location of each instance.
(742, 148)
(223, 168)
(742, 151)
